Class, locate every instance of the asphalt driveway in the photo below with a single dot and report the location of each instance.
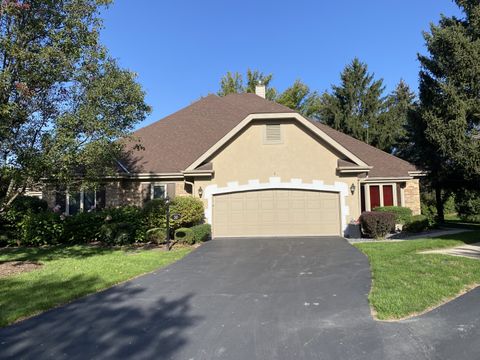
(294, 298)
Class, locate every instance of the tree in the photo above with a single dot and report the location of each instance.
(299, 97)
(233, 83)
(64, 103)
(399, 105)
(355, 106)
(448, 118)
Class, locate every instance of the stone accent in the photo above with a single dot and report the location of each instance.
(412, 196)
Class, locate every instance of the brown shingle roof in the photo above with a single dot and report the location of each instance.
(384, 164)
(176, 141)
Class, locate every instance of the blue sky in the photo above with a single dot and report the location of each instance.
(180, 49)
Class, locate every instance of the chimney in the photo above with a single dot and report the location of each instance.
(260, 90)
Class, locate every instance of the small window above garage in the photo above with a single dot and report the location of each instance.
(273, 134)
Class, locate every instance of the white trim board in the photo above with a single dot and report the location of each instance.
(276, 183)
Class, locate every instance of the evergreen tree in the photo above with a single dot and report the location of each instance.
(355, 106)
(448, 119)
(399, 105)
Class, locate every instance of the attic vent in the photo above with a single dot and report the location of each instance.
(273, 134)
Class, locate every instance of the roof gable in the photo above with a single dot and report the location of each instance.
(184, 139)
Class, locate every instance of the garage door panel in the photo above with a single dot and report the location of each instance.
(276, 213)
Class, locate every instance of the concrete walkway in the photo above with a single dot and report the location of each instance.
(423, 235)
(470, 251)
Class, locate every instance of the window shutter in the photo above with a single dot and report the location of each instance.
(171, 190)
(146, 192)
(273, 134)
(61, 199)
(101, 198)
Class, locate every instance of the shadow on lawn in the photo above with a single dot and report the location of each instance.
(122, 322)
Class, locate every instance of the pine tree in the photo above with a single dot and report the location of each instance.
(355, 106)
(448, 119)
(399, 105)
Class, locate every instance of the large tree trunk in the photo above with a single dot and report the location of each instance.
(439, 203)
(10, 196)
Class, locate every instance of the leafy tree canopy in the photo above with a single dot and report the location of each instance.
(64, 102)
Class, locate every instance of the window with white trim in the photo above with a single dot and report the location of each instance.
(158, 191)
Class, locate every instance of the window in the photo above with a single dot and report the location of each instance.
(84, 200)
(159, 191)
(273, 134)
(380, 195)
(387, 195)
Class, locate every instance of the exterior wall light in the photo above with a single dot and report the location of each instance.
(200, 192)
(352, 188)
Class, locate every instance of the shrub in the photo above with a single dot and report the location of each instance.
(29, 203)
(184, 236)
(201, 233)
(468, 205)
(121, 218)
(190, 210)
(117, 233)
(157, 235)
(154, 214)
(11, 220)
(418, 223)
(402, 214)
(83, 227)
(44, 228)
(377, 224)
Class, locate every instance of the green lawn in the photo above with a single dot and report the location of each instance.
(69, 273)
(407, 283)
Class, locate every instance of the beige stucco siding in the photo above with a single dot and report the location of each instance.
(300, 158)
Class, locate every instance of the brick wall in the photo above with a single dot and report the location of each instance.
(412, 196)
(130, 192)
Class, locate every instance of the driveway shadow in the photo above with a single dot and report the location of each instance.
(116, 324)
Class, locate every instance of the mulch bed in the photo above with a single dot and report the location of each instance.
(10, 268)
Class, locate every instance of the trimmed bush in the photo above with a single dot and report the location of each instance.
(44, 228)
(184, 236)
(402, 214)
(83, 227)
(117, 233)
(119, 219)
(190, 210)
(156, 235)
(377, 224)
(201, 233)
(418, 223)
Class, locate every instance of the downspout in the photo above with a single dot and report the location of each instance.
(191, 184)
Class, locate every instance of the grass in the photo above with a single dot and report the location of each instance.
(69, 273)
(407, 283)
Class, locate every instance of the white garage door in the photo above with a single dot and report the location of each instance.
(276, 213)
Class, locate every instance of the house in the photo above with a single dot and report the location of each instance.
(260, 168)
